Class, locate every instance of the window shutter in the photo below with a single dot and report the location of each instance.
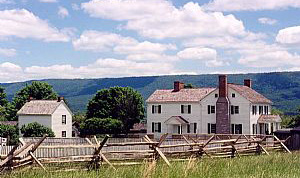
(232, 109)
(195, 127)
(232, 128)
(159, 127)
(188, 129)
(189, 109)
(159, 109)
(208, 128)
(208, 109)
(182, 109)
(153, 125)
(152, 109)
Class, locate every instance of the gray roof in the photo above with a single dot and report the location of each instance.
(39, 107)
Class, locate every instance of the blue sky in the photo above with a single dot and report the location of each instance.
(42, 39)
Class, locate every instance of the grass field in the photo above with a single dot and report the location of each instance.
(275, 166)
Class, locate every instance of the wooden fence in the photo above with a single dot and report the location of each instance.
(95, 152)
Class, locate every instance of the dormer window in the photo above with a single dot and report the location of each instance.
(233, 95)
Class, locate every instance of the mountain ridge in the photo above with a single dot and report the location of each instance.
(283, 88)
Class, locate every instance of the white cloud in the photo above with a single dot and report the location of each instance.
(250, 5)
(107, 67)
(198, 54)
(266, 20)
(7, 2)
(49, 1)
(206, 55)
(269, 59)
(75, 7)
(8, 52)
(62, 12)
(104, 41)
(290, 35)
(24, 24)
(160, 19)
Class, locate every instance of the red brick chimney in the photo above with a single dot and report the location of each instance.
(60, 98)
(222, 107)
(248, 83)
(178, 86)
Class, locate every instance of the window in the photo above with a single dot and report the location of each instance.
(195, 127)
(234, 109)
(73, 134)
(266, 109)
(216, 95)
(254, 128)
(156, 127)
(64, 119)
(260, 109)
(236, 128)
(211, 109)
(156, 109)
(211, 128)
(186, 109)
(254, 110)
(233, 95)
(64, 134)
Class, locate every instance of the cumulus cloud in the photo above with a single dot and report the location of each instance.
(277, 58)
(49, 1)
(24, 24)
(8, 52)
(62, 12)
(7, 2)
(268, 21)
(290, 35)
(108, 67)
(75, 7)
(252, 5)
(206, 55)
(160, 19)
(104, 41)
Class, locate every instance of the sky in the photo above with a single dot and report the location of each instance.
(42, 39)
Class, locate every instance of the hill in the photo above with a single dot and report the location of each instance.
(282, 88)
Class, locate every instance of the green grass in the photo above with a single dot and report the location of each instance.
(275, 166)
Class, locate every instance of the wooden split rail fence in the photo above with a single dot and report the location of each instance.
(96, 153)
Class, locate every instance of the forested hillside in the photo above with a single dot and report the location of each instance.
(282, 88)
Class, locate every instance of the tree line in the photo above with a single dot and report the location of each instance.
(110, 111)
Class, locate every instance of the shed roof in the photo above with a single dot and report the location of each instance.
(269, 119)
(39, 107)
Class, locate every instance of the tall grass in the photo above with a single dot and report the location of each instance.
(275, 166)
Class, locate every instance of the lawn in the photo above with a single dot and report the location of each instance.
(275, 166)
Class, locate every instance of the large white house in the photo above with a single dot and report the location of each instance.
(53, 114)
(228, 109)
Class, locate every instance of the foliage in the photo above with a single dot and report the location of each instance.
(283, 88)
(37, 90)
(94, 126)
(36, 130)
(11, 132)
(122, 103)
(188, 85)
(79, 117)
(4, 105)
(273, 166)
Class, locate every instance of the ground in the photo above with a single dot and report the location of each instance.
(274, 166)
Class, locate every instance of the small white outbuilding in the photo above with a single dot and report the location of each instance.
(54, 114)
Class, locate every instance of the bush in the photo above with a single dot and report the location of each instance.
(36, 130)
(96, 126)
(11, 132)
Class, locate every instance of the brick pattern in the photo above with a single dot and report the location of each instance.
(222, 116)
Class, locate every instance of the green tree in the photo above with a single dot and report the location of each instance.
(122, 103)
(94, 126)
(4, 105)
(36, 130)
(188, 85)
(11, 132)
(37, 90)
